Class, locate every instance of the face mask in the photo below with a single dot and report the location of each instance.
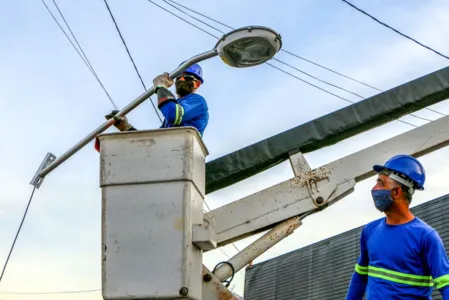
(382, 199)
(183, 88)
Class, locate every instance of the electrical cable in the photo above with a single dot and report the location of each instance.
(207, 24)
(330, 70)
(315, 86)
(324, 90)
(74, 37)
(413, 115)
(17, 234)
(130, 57)
(325, 82)
(292, 54)
(228, 282)
(74, 47)
(185, 20)
(288, 52)
(51, 293)
(85, 60)
(395, 30)
(266, 63)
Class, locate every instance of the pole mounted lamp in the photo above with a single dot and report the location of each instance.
(241, 48)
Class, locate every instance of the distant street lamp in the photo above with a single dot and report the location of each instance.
(244, 47)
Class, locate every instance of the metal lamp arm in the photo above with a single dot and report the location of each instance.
(47, 166)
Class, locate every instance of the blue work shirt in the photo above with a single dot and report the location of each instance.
(190, 110)
(405, 261)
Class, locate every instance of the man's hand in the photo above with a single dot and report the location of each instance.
(121, 123)
(163, 80)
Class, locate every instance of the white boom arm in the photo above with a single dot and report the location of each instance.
(310, 189)
(154, 230)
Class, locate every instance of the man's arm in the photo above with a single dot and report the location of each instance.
(437, 262)
(175, 112)
(121, 124)
(359, 279)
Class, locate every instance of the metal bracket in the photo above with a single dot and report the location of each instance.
(298, 163)
(313, 181)
(37, 180)
(204, 237)
(310, 177)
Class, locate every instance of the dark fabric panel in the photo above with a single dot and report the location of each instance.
(328, 129)
(322, 271)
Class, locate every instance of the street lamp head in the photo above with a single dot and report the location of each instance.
(248, 46)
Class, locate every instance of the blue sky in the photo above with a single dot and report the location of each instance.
(50, 101)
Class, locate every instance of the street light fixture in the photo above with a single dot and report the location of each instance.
(244, 47)
(248, 46)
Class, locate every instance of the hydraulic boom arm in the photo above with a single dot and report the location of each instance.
(313, 189)
(155, 232)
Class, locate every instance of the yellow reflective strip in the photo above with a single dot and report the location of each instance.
(441, 281)
(394, 276)
(179, 114)
(397, 280)
(361, 269)
(399, 273)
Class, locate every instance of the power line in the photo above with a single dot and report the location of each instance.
(74, 47)
(17, 234)
(331, 70)
(85, 60)
(292, 54)
(303, 72)
(74, 37)
(288, 52)
(207, 24)
(266, 63)
(130, 57)
(324, 90)
(325, 82)
(395, 30)
(51, 293)
(185, 20)
(315, 86)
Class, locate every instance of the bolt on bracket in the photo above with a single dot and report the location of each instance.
(37, 180)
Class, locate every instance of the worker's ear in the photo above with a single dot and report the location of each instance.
(396, 192)
(196, 84)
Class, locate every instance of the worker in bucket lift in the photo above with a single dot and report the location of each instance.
(401, 256)
(189, 109)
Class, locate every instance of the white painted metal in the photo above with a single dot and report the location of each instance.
(204, 237)
(264, 209)
(299, 164)
(258, 247)
(153, 191)
(213, 289)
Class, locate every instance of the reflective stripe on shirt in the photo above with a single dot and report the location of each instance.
(441, 281)
(398, 277)
(179, 114)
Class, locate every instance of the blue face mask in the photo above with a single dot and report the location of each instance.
(382, 199)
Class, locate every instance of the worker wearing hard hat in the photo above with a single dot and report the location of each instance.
(189, 109)
(401, 256)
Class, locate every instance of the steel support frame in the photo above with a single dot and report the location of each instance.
(330, 182)
(323, 186)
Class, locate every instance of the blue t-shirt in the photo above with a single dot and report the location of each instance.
(403, 261)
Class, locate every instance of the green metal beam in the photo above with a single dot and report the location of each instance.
(328, 129)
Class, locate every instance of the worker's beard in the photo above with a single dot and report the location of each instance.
(183, 88)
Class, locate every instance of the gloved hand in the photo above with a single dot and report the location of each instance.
(162, 80)
(121, 123)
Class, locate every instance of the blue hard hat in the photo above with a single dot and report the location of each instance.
(195, 70)
(407, 166)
